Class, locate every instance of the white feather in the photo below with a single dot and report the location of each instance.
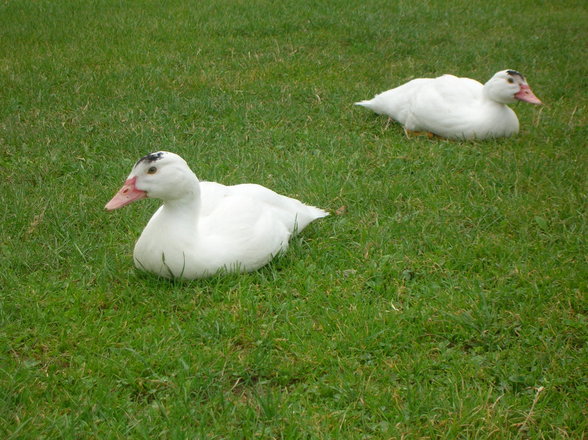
(205, 227)
(452, 107)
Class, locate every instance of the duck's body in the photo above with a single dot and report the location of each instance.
(206, 227)
(456, 108)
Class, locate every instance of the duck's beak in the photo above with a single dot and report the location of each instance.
(527, 95)
(127, 194)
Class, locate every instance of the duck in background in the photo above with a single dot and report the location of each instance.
(456, 108)
(206, 227)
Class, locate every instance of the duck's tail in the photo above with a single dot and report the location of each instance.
(317, 212)
(366, 103)
(304, 218)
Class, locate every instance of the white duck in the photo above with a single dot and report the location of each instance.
(204, 227)
(456, 108)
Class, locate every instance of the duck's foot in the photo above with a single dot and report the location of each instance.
(410, 133)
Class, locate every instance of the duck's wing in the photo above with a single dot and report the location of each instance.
(447, 106)
(249, 223)
(241, 231)
(291, 212)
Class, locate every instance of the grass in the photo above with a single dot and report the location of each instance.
(447, 300)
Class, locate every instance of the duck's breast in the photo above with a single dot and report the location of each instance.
(166, 246)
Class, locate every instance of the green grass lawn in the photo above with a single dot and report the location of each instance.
(447, 298)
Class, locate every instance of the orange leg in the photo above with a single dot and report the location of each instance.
(410, 133)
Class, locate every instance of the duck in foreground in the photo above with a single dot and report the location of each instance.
(456, 108)
(205, 227)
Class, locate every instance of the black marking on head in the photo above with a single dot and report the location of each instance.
(150, 158)
(515, 73)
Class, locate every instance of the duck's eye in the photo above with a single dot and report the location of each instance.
(152, 170)
(510, 80)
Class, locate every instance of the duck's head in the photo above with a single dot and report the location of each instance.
(161, 175)
(508, 86)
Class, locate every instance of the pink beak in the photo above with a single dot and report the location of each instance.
(527, 95)
(127, 194)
